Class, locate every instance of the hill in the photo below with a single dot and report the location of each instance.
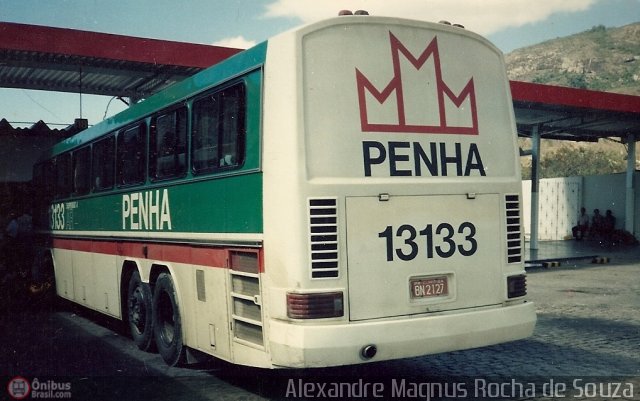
(603, 59)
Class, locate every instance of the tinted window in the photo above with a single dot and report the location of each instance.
(218, 130)
(103, 164)
(131, 155)
(82, 171)
(62, 165)
(168, 156)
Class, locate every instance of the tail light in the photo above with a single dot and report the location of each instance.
(517, 286)
(315, 305)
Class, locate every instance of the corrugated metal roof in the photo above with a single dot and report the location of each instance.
(66, 60)
(40, 128)
(32, 70)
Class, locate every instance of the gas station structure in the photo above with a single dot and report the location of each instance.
(68, 60)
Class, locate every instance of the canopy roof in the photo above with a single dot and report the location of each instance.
(68, 60)
(574, 114)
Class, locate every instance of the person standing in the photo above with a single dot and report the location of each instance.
(597, 223)
(582, 227)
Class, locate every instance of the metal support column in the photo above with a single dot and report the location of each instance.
(535, 165)
(630, 200)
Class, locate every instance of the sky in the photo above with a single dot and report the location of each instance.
(510, 24)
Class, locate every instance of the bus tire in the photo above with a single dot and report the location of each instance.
(140, 312)
(167, 325)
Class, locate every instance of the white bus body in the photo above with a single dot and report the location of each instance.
(383, 184)
(408, 129)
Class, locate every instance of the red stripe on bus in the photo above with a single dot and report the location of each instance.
(188, 254)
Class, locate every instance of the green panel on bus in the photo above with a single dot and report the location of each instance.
(229, 205)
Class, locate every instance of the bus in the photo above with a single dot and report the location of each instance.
(342, 193)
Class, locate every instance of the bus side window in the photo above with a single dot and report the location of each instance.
(81, 171)
(103, 163)
(204, 140)
(232, 120)
(218, 130)
(63, 175)
(131, 145)
(167, 157)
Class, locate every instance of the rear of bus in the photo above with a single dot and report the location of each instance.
(392, 217)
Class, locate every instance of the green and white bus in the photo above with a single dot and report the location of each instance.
(342, 193)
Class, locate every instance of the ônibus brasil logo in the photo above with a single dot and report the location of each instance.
(18, 388)
(439, 109)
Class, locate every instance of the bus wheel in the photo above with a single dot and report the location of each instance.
(167, 326)
(139, 312)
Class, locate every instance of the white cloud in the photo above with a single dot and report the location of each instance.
(481, 16)
(237, 42)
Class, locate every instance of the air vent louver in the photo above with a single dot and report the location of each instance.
(514, 229)
(323, 237)
(245, 297)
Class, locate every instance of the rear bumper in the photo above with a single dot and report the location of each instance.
(303, 345)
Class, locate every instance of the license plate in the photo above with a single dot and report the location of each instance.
(428, 287)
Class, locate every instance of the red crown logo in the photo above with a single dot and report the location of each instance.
(458, 107)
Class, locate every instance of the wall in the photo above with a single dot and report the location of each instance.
(606, 192)
(559, 204)
(560, 200)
